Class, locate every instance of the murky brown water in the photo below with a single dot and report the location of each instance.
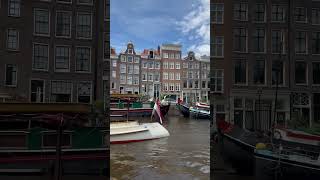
(185, 154)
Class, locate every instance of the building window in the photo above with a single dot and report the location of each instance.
(259, 14)
(114, 63)
(277, 41)
(177, 65)
(301, 42)
(129, 79)
(85, 2)
(150, 65)
(41, 22)
(217, 80)
(63, 24)
(165, 86)
(114, 74)
(84, 25)
(123, 58)
(165, 55)
(61, 91)
(106, 45)
(150, 77)
(13, 39)
(14, 8)
(113, 85)
(278, 13)
(190, 84)
(37, 90)
(84, 92)
(218, 46)
(135, 80)
(130, 68)
(240, 11)
(130, 59)
(190, 75)
(204, 84)
(301, 72)
(316, 43)
(171, 55)
(240, 39)
(316, 72)
(122, 79)
(165, 75)
(123, 68)
(196, 84)
(40, 57)
(240, 71)
(171, 87)
(65, 1)
(144, 76)
(315, 16)
(136, 69)
(157, 65)
(259, 40)
(165, 65)
(83, 59)
(259, 72)
(157, 77)
(136, 59)
(177, 76)
(171, 65)
(177, 56)
(171, 76)
(177, 86)
(300, 14)
(62, 59)
(277, 66)
(11, 75)
(185, 65)
(217, 12)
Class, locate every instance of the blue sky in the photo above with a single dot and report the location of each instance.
(149, 23)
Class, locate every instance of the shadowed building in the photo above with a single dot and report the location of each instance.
(262, 46)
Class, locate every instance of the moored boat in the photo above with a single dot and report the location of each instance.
(133, 131)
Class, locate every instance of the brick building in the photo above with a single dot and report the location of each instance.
(171, 70)
(129, 71)
(150, 72)
(259, 45)
(52, 51)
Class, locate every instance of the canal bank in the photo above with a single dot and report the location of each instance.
(185, 154)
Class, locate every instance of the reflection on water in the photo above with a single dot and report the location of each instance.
(185, 154)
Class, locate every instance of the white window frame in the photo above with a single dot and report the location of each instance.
(5, 76)
(88, 4)
(165, 55)
(18, 39)
(19, 14)
(306, 18)
(214, 75)
(70, 31)
(91, 90)
(48, 64)
(69, 60)
(90, 59)
(71, 95)
(177, 76)
(34, 22)
(178, 65)
(44, 88)
(91, 27)
(215, 11)
(63, 2)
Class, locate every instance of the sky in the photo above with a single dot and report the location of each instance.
(149, 23)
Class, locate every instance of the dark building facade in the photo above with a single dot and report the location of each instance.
(53, 51)
(266, 48)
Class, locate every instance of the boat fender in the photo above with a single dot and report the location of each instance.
(260, 146)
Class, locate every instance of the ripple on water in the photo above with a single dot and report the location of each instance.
(205, 169)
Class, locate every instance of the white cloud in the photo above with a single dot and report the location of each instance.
(196, 26)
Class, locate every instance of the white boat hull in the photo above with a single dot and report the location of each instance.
(125, 132)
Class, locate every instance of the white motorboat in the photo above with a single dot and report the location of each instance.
(133, 131)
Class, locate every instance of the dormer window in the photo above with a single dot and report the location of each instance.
(190, 58)
(151, 54)
(130, 51)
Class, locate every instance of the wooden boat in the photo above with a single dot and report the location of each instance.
(200, 111)
(183, 108)
(41, 138)
(133, 131)
(283, 163)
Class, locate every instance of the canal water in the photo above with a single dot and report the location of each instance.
(185, 154)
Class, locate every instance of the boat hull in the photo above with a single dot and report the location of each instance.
(184, 110)
(268, 167)
(74, 161)
(138, 112)
(134, 132)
